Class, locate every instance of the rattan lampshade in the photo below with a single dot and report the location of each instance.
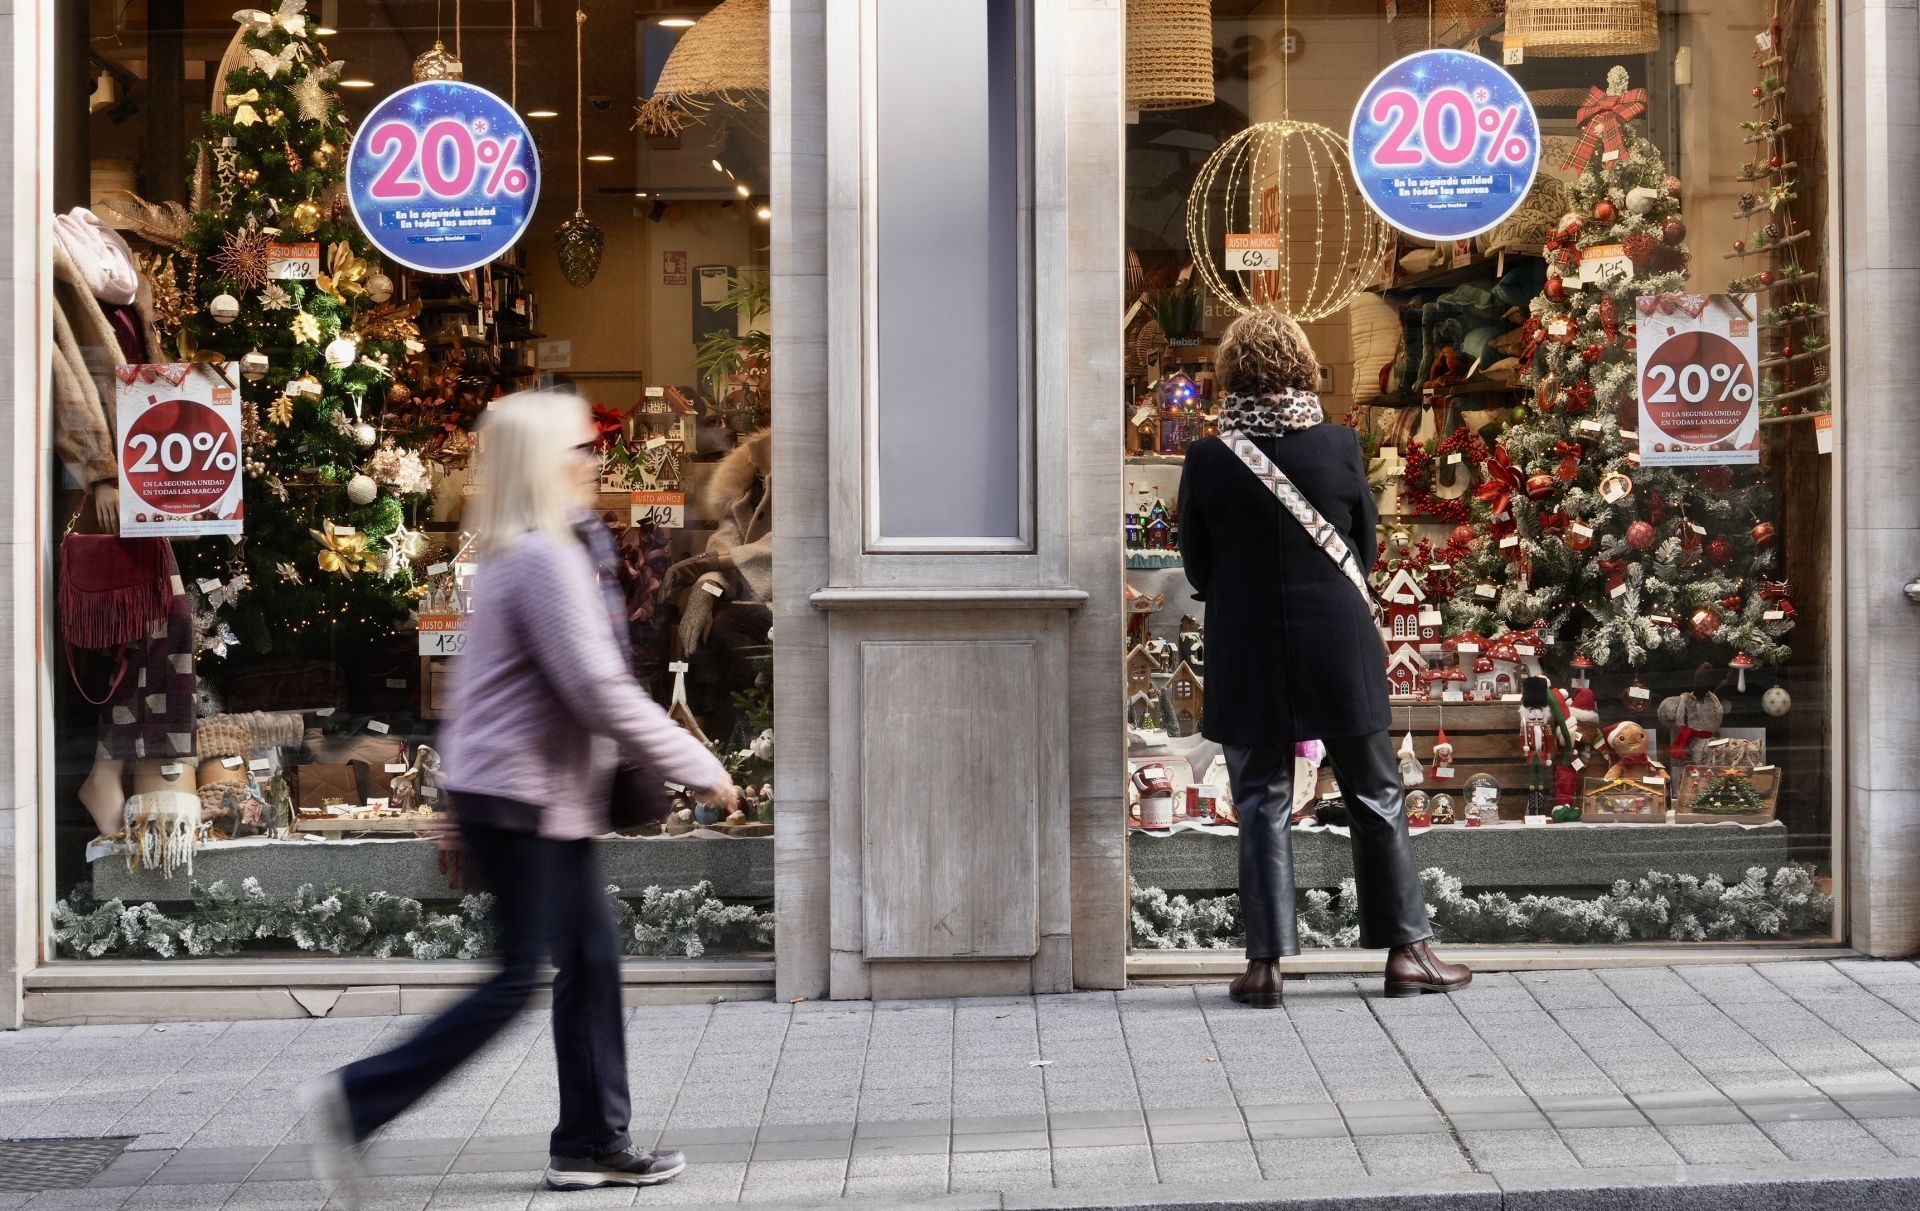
(1576, 29)
(1422, 24)
(1169, 54)
(722, 60)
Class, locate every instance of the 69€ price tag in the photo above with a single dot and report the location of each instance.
(179, 451)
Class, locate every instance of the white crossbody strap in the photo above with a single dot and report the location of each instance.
(1318, 528)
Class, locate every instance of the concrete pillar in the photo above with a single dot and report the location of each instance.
(1880, 156)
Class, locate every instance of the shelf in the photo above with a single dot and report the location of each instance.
(1795, 238)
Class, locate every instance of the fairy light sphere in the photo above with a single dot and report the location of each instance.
(1290, 180)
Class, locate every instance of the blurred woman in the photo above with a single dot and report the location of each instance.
(544, 708)
(1293, 652)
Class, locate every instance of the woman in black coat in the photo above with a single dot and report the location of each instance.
(1293, 654)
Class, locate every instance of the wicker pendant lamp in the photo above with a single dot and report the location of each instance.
(1578, 29)
(1424, 24)
(721, 61)
(1169, 54)
(579, 241)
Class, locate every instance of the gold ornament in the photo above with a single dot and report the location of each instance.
(248, 177)
(399, 395)
(438, 63)
(1260, 182)
(169, 301)
(316, 103)
(579, 241)
(304, 218)
(292, 153)
(345, 553)
(281, 411)
(306, 328)
(388, 322)
(323, 155)
(243, 258)
(242, 105)
(346, 271)
(273, 114)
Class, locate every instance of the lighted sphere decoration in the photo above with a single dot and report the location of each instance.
(1291, 181)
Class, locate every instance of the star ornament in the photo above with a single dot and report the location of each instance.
(315, 101)
(243, 258)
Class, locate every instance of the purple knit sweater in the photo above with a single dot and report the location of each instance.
(543, 705)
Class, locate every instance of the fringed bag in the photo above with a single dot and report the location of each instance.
(113, 592)
(163, 830)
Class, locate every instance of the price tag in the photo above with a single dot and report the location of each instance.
(207, 586)
(1440, 567)
(1525, 649)
(395, 767)
(654, 443)
(1514, 52)
(434, 569)
(1823, 433)
(656, 392)
(1443, 772)
(1591, 427)
(1559, 327)
(665, 509)
(1473, 649)
(1660, 620)
(1252, 252)
(1453, 696)
(465, 569)
(708, 586)
(1453, 459)
(293, 262)
(172, 769)
(1617, 591)
(1605, 265)
(1639, 693)
(1486, 591)
(232, 762)
(345, 530)
(443, 634)
(430, 793)
(396, 683)
(1509, 542)
(263, 766)
(1577, 764)
(377, 727)
(1697, 528)
(1615, 492)
(323, 711)
(1429, 618)
(1536, 821)
(1774, 616)
(1764, 39)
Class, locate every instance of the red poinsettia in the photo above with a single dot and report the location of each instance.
(608, 426)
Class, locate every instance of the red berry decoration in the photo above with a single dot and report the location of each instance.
(1603, 211)
(1739, 246)
(1640, 536)
(1592, 354)
(1540, 486)
(1773, 162)
(1673, 231)
(1766, 277)
(1704, 622)
(1758, 92)
(1762, 534)
(1720, 551)
(1556, 288)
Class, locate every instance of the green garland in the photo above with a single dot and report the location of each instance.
(1656, 908)
(354, 921)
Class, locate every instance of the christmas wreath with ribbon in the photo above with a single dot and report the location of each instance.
(1417, 481)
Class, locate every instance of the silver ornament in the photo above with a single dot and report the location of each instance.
(253, 366)
(361, 489)
(364, 435)
(438, 63)
(224, 308)
(1640, 199)
(1776, 701)
(341, 352)
(379, 287)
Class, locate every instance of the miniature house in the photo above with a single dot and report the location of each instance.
(1140, 671)
(1187, 699)
(1404, 671)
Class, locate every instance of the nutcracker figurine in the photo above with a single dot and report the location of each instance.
(1545, 738)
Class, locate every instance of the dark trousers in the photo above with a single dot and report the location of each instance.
(1393, 909)
(549, 898)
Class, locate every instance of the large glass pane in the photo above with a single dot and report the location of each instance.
(1672, 587)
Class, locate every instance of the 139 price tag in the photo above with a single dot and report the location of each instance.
(443, 634)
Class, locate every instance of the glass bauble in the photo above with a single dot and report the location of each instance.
(579, 241)
(438, 63)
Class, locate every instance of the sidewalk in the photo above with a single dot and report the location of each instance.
(1669, 1087)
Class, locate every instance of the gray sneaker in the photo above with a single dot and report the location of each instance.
(629, 1167)
(335, 1153)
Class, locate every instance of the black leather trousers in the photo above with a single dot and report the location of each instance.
(1393, 909)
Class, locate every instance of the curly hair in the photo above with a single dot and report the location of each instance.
(1264, 352)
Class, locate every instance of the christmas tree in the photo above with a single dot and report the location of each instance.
(327, 555)
(1630, 566)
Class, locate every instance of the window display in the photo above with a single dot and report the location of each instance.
(1579, 326)
(269, 366)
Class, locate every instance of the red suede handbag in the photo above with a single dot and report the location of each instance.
(113, 591)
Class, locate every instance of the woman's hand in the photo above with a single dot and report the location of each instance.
(726, 796)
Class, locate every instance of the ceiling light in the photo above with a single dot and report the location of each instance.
(356, 84)
(764, 213)
(742, 190)
(641, 194)
(543, 113)
(324, 31)
(600, 159)
(717, 166)
(676, 22)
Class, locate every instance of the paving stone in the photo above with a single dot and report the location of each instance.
(1537, 1148)
(1409, 1155)
(794, 1180)
(1731, 1144)
(1122, 1165)
(1206, 1162)
(1610, 1146)
(1825, 1140)
(1307, 1159)
(1000, 1171)
(1900, 1135)
(1099, 1137)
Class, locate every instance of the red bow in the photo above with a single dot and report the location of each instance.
(1501, 480)
(1569, 460)
(1683, 738)
(1669, 304)
(1603, 116)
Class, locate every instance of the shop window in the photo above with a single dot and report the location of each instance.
(265, 737)
(1596, 428)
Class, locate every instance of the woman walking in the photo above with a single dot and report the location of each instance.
(1293, 651)
(544, 708)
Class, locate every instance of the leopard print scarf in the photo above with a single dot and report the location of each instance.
(1271, 415)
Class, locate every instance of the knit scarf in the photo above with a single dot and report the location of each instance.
(1270, 415)
(102, 256)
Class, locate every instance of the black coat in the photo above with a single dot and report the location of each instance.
(1292, 652)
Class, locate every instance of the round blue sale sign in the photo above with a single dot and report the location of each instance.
(1444, 144)
(442, 176)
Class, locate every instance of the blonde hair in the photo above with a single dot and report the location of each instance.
(1263, 352)
(525, 468)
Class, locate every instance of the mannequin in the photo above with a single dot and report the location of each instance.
(100, 323)
(728, 614)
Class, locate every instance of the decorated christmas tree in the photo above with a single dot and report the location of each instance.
(277, 279)
(1627, 565)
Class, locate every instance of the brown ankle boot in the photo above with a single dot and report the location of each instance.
(1259, 985)
(1412, 970)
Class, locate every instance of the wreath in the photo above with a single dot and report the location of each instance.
(1417, 481)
